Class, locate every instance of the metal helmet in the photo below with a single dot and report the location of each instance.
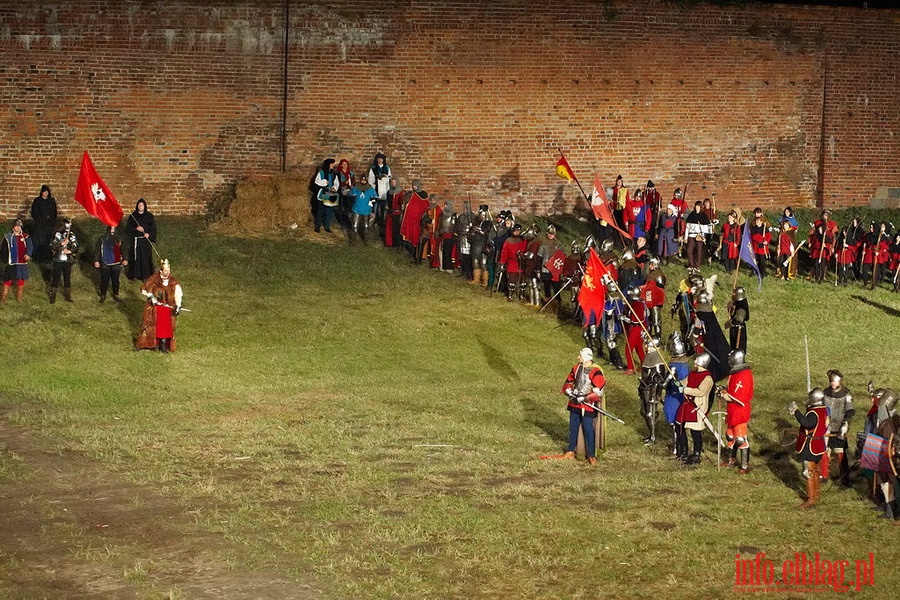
(676, 345)
(606, 245)
(740, 293)
(530, 233)
(576, 247)
(589, 242)
(653, 263)
(887, 403)
(678, 193)
(551, 230)
(611, 288)
(815, 397)
(634, 294)
(834, 375)
(702, 360)
(659, 277)
(695, 281)
(736, 360)
(627, 255)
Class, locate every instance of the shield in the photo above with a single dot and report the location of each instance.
(875, 454)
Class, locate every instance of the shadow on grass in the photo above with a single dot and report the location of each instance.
(887, 309)
(497, 363)
(546, 419)
(778, 456)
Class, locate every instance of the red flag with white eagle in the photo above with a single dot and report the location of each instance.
(91, 192)
(555, 263)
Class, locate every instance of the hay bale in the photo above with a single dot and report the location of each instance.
(271, 206)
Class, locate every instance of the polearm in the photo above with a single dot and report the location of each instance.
(552, 298)
(158, 257)
(793, 254)
(808, 380)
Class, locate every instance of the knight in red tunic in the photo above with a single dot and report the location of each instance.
(811, 440)
(584, 388)
(738, 397)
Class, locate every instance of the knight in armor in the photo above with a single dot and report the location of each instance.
(635, 323)
(613, 311)
(428, 239)
(63, 250)
(811, 441)
(839, 402)
(679, 370)
(738, 397)
(696, 389)
(572, 271)
(496, 234)
(445, 233)
(652, 387)
(464, 223)
(511, 261)
(548, 248)
(531, 272)
(683, 307)
(478, 235)
(584, 388)
(739, 311)
(629, 271)
(653, 293)
(887, 426)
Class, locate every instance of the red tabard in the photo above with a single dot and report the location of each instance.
(653, 295)
(597, 380)
(687, 412)
(740, 385)
(509, 255)
(815, 436)
(163, 322)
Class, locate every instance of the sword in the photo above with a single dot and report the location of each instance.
(496, 288)
(172, 307)
(603, 412)
(713, 431)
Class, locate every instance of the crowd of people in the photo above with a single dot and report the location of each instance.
(705, 367)
(54, 245)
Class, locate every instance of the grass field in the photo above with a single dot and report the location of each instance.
(350, 425)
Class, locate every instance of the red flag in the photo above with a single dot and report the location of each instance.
(91, 192)
(555, 263)
(592, 295)
(600, 206)
(563, 169)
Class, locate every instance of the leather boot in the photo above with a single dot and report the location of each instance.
(484, 278)
(812, 485)
(4, 294)
(693, 459)
(20, 289)
(102, 298)
(476, 277)
(53, 295)
(731, 459)
(164, 346)
(67, 294)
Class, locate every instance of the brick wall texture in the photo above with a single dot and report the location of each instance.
(177, 99)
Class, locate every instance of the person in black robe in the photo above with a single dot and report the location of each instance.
(140, 232)
(44, 215)
(712, 338)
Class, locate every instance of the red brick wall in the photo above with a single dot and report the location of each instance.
(177, 99)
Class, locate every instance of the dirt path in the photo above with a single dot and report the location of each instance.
(69, 528)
